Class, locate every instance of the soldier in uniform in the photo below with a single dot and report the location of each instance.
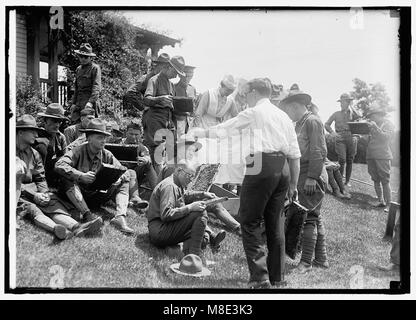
(78, 168)
(35, 200)
(51, 143)
(345, 142)
(158, 118)
(87, 83)
(312, 176)
(72, 133)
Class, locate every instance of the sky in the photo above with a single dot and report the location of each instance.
(320, 50)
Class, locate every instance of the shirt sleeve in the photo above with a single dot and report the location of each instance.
(38, 175)
(68, 135)
(168, 211)
(386, 131)
(96, 83)
(317, 148)
(292, 140)
(331, 119)
(201, 109)
(241, 121)
(65, 166)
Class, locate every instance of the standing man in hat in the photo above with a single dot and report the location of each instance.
(158, 117)
(312, 177)
(213, 106)
(134, 95)
(87, 83)
(268, 178)
(184, 89)
(52, 143)
(72, 133)
(41, 206)
(345, 142)
(78, 168)
(379, 153)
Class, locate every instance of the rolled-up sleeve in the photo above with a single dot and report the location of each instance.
(233, 126)
(292, 140)
(65, 166)
(168, 210)
(317, 148)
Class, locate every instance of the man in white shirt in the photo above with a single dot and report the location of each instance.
(266, 182)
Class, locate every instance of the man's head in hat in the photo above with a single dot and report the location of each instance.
(189, 74)
(26, 130)
(345, 101)
(227, 85)
(158, 63)
(87, 114)
(85, 54)
(96, 134)
(174, 67)
(258, 89)
(375, 112)
(53, 117)
(295, 104)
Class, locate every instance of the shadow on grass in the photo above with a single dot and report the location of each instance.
(361, 200)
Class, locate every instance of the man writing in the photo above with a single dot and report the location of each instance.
(78, 168)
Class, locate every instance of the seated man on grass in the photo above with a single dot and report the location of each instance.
(78, 168)
(172, 219)
(35, 200)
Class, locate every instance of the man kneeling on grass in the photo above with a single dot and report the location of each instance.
(35, 200)
(171, 221)
(78, 167)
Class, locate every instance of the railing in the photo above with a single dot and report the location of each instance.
(62, 91)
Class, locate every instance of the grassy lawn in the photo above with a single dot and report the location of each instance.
(112, 260)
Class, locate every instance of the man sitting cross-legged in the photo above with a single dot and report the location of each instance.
(172, 220)
(35, 201)
(78, 168)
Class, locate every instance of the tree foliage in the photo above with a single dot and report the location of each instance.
(113, 40)
(364, 94)
(28, 98)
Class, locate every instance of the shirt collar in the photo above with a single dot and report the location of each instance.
(307, 113)
(91, 155)
(262, 100)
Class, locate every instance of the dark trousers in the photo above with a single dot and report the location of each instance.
(191, 228)
(262, 197)
(395, 249)
(346, 149)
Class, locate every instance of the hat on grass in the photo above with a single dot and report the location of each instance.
(190, 265)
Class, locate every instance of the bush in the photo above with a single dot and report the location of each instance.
(28, 98)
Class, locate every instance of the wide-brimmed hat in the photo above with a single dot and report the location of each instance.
(27, 121)
(228, 82)
(294, 87)
(375, 107)
(345, 96)
(162, 58)
(190, 265)
(54, 110)
(178, 63)
(298, 96)
(96, 126)
(87, 112)
(85, 50)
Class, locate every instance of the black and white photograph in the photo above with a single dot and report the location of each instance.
(207, 149)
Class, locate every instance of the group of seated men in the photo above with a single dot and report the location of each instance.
(56, 172)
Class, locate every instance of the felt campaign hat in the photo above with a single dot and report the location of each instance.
(87, 112)
(162, 58)
(54, 110)
(345, 96)
(96, 126)
(85, 50)
(190, 265)
(27, 121)
(178, 63)
(229, 82)
(375, 107)
(298, 96)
